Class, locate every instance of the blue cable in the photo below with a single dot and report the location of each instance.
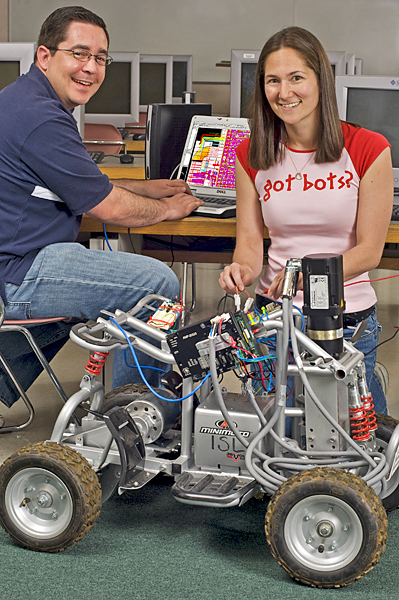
(106, 237)
(254, 360)
(143, 376)
(146, 367)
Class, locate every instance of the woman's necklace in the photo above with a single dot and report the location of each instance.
(298, 174)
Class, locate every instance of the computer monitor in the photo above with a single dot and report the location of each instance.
(338, 62)
(15, 60)
(373, 103)
(117, 100)
(156, 79)
(242, 81)
(166, 133)
(182, 76)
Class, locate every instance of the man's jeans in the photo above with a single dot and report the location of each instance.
(69, 280)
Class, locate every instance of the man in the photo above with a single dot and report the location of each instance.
(48, 180)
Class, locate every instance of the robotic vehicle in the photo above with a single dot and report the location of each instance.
(302, 432)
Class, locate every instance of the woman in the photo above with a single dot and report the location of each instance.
(319, 185)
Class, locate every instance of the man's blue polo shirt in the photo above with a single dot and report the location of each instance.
(47, 179)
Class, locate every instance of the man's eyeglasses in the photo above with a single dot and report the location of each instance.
(85, 56)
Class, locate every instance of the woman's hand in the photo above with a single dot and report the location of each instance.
(276, 286)
(236, 277)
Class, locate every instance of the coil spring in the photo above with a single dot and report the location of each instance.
(96, 362)
(370, 413)
(359, 424)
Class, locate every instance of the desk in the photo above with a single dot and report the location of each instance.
(198, 226)
(135, 146)
(207, 227)
(116, 170)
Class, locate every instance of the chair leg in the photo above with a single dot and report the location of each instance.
(43, 361)
(31, 412)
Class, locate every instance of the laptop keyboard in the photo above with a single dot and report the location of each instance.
(218, 201)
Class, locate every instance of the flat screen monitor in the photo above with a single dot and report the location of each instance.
(182, 76)
(15, 60)
(242, 81)
(117, 100)
(373, 103)
(166, 133)
(156, 80)
(338, 62)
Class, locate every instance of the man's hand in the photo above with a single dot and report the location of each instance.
(161, 188)
(127, 208)
(180, 205)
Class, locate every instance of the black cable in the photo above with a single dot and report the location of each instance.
(380, 344)
(131, 241)
(172, 251)
(224, 298)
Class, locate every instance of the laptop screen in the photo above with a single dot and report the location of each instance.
(209, 156)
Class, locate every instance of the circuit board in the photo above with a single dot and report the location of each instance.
(190, 345)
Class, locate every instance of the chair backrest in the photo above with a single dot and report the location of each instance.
(100, 133)
(139, 127)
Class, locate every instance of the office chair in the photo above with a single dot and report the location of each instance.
(23, 328)
(103, 136)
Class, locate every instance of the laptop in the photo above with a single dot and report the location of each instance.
(208, 162)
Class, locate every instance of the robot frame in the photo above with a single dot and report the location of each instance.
(326, 462)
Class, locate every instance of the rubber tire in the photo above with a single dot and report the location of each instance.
(357, 497)
(386, 425)
(76, 476)
(123, 395)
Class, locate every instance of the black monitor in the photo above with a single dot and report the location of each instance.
(166, 132)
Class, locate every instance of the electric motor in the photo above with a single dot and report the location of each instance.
(153, 416)
(323, 300)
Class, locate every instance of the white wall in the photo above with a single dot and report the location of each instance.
(3, 21)
(209, 29)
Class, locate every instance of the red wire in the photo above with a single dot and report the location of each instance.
(368, 280)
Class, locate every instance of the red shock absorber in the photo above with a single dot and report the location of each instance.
(357, 416)
(359, 424)
(367, 403)
(368, 407)
(96, 362)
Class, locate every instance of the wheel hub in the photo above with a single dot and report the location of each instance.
(44, 499)
(325, 529)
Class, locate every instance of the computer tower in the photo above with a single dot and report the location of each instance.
(166, 132)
